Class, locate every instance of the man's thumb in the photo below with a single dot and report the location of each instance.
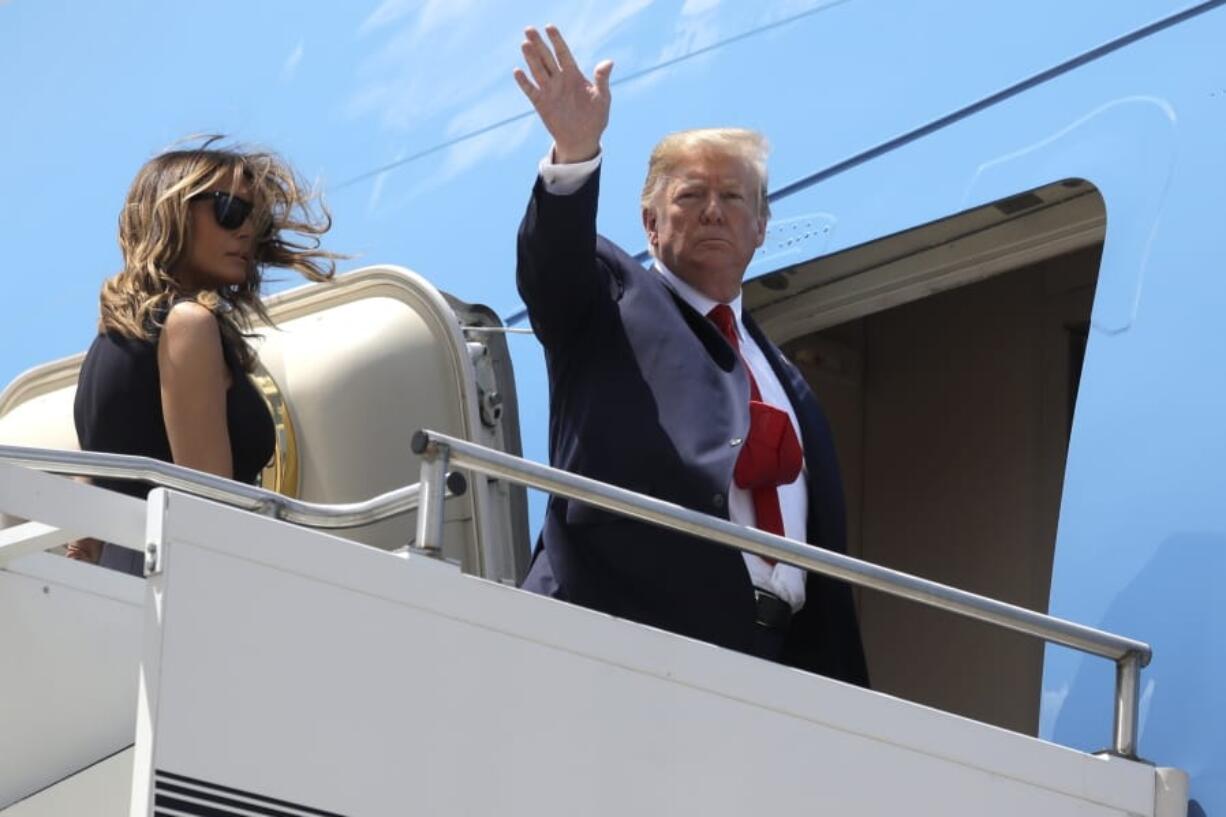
(602, 76)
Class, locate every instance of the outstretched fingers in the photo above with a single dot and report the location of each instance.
(526, 85)
(566, 60)
(540, 51)
(532, 57)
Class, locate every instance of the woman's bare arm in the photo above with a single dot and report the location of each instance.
(194, 379)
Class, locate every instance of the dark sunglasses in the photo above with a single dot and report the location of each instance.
(229, 210)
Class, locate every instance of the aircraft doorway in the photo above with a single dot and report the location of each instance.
(951, 403)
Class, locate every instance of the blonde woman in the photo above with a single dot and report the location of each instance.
(167, 375)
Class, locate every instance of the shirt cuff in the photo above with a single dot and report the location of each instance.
(562, 180)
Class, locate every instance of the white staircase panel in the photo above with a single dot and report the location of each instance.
(293, 665)
(70, 641)
(101, 790)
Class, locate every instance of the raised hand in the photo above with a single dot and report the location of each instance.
(573, 110)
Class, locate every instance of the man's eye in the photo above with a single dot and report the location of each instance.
(735, 195)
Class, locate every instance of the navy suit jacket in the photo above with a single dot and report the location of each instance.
(645, 393)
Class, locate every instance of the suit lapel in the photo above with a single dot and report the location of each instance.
(707, 333)
(803, 402)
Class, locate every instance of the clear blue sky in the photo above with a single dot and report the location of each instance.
(89, 91)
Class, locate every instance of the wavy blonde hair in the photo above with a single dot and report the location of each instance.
(155, 232)
(749, 146)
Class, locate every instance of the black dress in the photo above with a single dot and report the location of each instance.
(118, 410)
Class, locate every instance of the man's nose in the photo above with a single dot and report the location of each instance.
(712, 210)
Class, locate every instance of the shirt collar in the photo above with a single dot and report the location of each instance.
(693, 297)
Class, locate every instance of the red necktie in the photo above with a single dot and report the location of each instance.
(771, 454)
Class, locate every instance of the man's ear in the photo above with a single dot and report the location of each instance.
(649, 226)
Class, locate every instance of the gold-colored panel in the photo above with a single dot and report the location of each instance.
(282, 474)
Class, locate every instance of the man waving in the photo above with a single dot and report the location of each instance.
(658, 383)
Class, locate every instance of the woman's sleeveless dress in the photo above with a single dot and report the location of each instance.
(118, 410)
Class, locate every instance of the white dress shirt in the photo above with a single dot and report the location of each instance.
(785, 581)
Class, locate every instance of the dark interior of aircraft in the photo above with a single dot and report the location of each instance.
(952, 399)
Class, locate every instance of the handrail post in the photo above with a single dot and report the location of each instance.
(1127, 702)
(434, 459)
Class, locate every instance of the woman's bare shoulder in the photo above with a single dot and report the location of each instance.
(189, 316)
(190, 329)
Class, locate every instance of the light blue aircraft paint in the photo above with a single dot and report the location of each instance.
(884, 116)
(1138, 110)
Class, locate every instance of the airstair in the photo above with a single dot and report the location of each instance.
(268, 667)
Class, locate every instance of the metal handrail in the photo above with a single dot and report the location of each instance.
(227, 491)
(439, 451)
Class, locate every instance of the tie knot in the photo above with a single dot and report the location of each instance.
(721, 315)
